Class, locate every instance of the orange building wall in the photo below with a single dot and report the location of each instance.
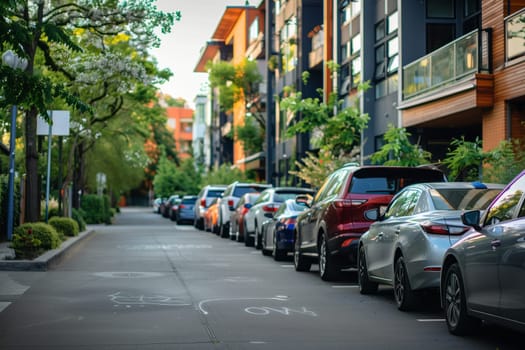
(181, 116)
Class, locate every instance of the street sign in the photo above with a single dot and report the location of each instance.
(60, 125)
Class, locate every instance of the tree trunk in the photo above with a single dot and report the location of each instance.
(32, 203)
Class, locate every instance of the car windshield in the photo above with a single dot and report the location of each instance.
(465, 198)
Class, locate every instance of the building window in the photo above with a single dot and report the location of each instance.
(441, 9)
(289, 45)
(356, 44)
(356, 71)
(439, 34)
(253, 33)
(386, 54)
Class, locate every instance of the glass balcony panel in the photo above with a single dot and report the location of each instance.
(443, 66)
(515, 35)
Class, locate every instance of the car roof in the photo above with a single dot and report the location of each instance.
(458, 185)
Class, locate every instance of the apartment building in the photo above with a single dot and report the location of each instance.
(180, 122)
(238, 36)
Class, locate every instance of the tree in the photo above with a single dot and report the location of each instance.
(43, 32)
(398, 150)
(335, 131)
(465, 160)
(239, 83)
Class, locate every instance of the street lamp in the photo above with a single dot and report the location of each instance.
(10, 59)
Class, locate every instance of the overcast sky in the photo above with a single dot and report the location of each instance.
(180, 50)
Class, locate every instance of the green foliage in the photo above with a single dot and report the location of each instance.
(398, 150)
(504, 162)
(339, 129)
(234, 81)
(64, 226)
(314, 169)
(172, 179)
(225, 174)
(96, 209)
(78, 216)
(250, 135)
(32, 239)
(464, 160)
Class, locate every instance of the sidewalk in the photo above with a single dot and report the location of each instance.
(45, 261)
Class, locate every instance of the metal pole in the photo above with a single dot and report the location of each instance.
(11, 181)
(48, 163)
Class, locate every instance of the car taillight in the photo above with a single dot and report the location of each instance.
(244, 210)
(270, 208)
(290, 221)
(440, 229)
(182, 206)
(345, 203)
(230, 202)
(203, 202)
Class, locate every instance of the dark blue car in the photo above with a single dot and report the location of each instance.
(277, 233)
(186, 213)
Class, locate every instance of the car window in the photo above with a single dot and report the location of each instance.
(281, 197)
(214, 193)
(264, 197)
(379, 185)
(506, 205)
(403, 204)
(320, 195)
(462, 198)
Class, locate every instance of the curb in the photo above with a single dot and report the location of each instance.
(49, 259)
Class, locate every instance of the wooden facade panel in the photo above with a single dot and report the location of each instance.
(439, 108)
(510, 82)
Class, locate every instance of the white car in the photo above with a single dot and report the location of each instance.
(263, 209)
(229, 199)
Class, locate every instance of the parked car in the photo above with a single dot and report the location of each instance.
(264, 208)
(156, 204)
(167, 204)
(329, 230)
(483, 275)
(203, 202)
(405, 247)
(186, 212)
(237, 217)
(229, 199)
(211, 217)
(173, 208)
(277, 237)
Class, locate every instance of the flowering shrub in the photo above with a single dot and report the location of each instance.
(32, 239)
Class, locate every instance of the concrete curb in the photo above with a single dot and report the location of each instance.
(50, 258)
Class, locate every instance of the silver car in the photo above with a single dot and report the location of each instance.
(405, 247)
(483, 275)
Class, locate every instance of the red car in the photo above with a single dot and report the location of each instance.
(328, 231)
(237, 217)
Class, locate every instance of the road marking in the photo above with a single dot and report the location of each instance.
(287, 266)
(345, 286)
(201, 304)
(128, 300)
(431, 320)
(265, 310)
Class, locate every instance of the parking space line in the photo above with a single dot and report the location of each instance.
(431, 320)
(3, 305)
(345, 286)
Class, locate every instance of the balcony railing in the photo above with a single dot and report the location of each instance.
(453, 62)
(515, 35)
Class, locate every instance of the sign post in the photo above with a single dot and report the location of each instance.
(58, 125)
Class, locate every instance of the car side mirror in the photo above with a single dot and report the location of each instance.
(471, 218)
(304, 199)
(372, 214)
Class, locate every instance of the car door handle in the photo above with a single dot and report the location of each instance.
(380, 236)
(495, 243)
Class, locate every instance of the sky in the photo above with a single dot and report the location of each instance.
(180, 50)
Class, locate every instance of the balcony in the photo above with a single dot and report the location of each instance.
(255, 49)
(448, 65)
(515, 36)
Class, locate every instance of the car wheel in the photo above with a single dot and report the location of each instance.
(327, 268)
(300, 262)
(225, 230)
(278, 254)
(365, 285)
(258, 240)
(455, 304)
(248, 240)
(403, 293)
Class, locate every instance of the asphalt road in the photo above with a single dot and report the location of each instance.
(146, 283)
